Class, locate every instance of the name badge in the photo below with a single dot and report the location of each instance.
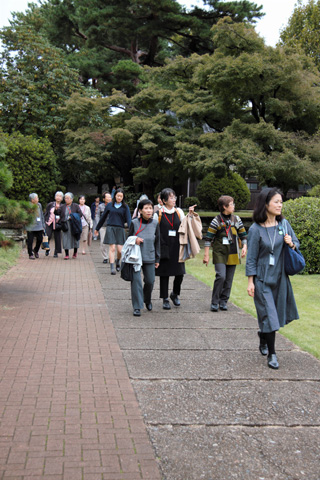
(271, 259)
(172, 233)
(38, 219)
(225, 241)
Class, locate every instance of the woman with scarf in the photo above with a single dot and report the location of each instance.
(53, 223)
(224, 234)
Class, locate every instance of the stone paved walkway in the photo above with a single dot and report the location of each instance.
(90, 392)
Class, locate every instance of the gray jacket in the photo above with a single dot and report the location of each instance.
(38, 223)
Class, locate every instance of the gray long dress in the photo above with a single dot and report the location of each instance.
(273, 296)
(68, 240)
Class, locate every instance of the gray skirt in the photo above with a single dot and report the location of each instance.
(115, 235)
(68, 240)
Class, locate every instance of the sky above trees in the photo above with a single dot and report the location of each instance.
(277, 15)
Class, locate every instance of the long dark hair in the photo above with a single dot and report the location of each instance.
(119, 190)
(263, 199)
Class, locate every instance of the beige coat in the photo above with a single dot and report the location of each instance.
(190, 229)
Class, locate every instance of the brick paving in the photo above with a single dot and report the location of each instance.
(67, 407)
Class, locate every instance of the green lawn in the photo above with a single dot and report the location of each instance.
(241, 213)
(9, 257)
(304, 332)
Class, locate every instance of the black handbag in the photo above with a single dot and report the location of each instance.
(64, 225)
(126, 271)
(294, 261)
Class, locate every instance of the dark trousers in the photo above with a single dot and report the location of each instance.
(57, 239)
(164, 286)
(223, 283)
(141, 294)
(30, 237)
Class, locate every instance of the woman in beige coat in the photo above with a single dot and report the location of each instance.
(86, 222)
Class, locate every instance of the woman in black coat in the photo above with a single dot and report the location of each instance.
(52, 218)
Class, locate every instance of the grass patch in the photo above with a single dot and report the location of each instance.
(304, 332)
(9, 257)
(241, 213)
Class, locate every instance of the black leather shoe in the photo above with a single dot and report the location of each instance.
(105, 261)
(263, 347)
(136, 312)
(214, 307)
(175, 299)
(166, 304)
(273, 361)
(55, 255)
(149, 306)
(223, 307)
(118, 266)
(47, 253)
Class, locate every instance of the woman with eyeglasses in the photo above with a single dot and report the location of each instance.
(169, 218)
(224, 233)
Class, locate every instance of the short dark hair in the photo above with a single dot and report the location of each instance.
(144, 202)
(105, 193)
(263, 199)
(165, 193)
(81, 196)
(223, 202)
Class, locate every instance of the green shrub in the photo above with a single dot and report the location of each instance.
(211, 188)
(33, 166)
(315, 191)
(189, 201)
(304, 216)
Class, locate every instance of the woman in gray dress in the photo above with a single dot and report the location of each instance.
(267, 281)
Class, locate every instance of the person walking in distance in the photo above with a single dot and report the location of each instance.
(106, 197)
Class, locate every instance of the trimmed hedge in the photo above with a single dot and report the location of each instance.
(211, 188)
(304, 217)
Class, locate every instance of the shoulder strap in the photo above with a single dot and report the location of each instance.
(160, 214)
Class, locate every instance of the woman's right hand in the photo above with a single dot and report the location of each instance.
(205, 259)
(139, 240)
(250, 289)
(96, 233)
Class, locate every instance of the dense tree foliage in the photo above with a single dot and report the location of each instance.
(246, 107)
(198, 92)
(107, 41)
(33, 166)
(34, 83)
(303, 29)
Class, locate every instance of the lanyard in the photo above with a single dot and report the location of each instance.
(274, 238)
(171, 223)
(225, 226)
(141, 229)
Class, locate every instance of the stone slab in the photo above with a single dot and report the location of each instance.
(192, 339)
(229, 402)
(240, 453)
(215, 364)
